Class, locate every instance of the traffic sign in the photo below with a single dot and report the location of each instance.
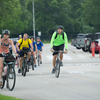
(39, 33)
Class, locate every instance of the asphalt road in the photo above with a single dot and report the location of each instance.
(79, 78)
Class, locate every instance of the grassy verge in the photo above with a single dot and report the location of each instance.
(2, 97)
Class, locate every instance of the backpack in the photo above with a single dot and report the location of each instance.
(22, 42)
(57, 34)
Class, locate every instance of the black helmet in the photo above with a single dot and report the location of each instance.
(60, 27)
(6, 32)
(38, 38)
(32, 37)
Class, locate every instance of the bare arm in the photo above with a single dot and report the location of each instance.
(13, 47)
(36, 47)
(0, 42)
(31, 46)
(17, 46)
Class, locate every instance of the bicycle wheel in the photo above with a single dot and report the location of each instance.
(57, 72)
(32, 62)
(38, 60)
(3, 80)
(27, 67)
(11, 78)
(24, 67)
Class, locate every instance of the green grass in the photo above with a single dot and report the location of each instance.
(2, 97)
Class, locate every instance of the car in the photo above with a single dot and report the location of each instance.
(14, 40)
(92, 37)
(97, 46)
(81, 40)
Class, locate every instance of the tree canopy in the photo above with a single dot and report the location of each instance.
(77, 16)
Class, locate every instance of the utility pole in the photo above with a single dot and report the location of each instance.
(33, 20)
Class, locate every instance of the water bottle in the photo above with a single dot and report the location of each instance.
(5, 70)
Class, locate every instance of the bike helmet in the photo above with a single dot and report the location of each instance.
(60, 27)
(20, 35)
(38, 38)
(6, 32)
(31, 37)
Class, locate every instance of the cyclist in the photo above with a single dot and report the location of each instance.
(59, 38)
(5, 42)
(20, 36)
(0, 36)
(34, 49)
(24, 42)
(39, 47)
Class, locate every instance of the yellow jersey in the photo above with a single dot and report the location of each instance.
(25, 43)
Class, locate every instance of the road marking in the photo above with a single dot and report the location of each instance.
(81, 56)
(84, 78)
(74, 72)
(66, 57)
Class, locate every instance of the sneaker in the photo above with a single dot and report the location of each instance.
(35, 66)
(53, 71)
(40, 62)
(19, 70)
(1, 83)
(61, 64)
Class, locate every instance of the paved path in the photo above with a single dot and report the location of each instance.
(79, 79)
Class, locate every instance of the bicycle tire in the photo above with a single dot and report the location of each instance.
(57, 72)
(3, 78)
(32, 62)
(27, 67)
(11, 71)
(24, 67)
(38, 60)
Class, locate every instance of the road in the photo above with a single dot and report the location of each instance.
(79, 78)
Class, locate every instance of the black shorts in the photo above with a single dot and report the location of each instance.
(57, 48)
(1, 55)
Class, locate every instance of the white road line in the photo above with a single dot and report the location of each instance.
(81, 56)
(66, 57)
(75, 72)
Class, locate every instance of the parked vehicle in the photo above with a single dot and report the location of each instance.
(80, 41)
(73, 42)
(97, 46)
(92, 37)
(14, 40)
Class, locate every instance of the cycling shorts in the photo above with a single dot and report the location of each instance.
(57, 48)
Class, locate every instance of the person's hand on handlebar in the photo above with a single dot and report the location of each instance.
(52, 50)
(65, 51)
(18, 49)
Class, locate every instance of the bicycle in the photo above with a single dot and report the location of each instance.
(32, 61)
(57, 65)
(38, 57)
(25, 67)
(9, 74)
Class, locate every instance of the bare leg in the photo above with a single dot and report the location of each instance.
(1, 67)
(29, 55)
(54, 60)
(20, 62)
(61, 57)
(40, 56)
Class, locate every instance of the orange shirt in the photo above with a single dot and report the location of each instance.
(4, 48)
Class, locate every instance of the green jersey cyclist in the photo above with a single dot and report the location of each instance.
(59, 38)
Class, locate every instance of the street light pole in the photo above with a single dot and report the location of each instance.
(33, 20)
